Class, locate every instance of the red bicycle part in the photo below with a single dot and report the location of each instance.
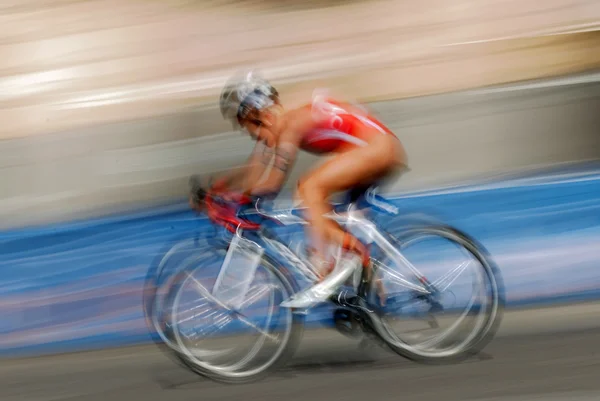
(226, 214)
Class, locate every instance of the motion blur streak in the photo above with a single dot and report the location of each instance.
(450, 138)
(107, 107)
(540, 354)
(72, 64)
(79, 285)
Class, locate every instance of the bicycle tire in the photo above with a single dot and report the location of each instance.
(493, 276)
(289, 348)
(152, 284)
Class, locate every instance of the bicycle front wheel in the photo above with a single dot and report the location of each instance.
(232, 346)
(461, 311)
(178, 253)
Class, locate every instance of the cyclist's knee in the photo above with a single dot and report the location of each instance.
(310, 191)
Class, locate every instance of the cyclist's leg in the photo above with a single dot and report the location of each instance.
(355, 167)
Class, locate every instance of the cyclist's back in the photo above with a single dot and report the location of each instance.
(339, 126)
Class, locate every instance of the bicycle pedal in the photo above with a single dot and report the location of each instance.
(343, 298)
(436, 307)
(355, 303)
(346, 323)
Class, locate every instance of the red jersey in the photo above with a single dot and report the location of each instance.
(339, 127)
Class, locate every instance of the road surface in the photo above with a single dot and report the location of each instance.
(547, 354)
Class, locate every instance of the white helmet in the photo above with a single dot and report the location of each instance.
(243, 93)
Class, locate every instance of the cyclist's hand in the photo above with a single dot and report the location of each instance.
(219, 184)
(194, 204)
(197, 193)
(237, 198)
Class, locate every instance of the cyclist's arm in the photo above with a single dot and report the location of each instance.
(257, 165)
(285, 154)
(246, 175)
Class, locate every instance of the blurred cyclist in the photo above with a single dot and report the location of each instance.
(363, 150)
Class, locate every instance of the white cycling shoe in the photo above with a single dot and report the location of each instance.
(345, 267)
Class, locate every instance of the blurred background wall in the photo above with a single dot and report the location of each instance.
(110, 105)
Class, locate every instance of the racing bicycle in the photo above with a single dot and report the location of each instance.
(214, 300)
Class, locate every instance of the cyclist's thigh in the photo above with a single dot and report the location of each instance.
(354, 167)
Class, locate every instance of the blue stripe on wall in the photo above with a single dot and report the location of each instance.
(78, 285)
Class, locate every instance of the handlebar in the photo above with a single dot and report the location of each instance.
(233, 210)
(228, 208)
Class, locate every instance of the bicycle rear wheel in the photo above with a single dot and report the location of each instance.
(409, 307)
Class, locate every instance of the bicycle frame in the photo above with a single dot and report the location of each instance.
(347, 215)
(253, 237)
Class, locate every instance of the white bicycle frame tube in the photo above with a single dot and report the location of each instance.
(351, 219)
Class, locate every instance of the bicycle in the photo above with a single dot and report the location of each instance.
(246, 231)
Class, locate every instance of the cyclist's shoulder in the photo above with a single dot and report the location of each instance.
(324, 100)
(327, 108)
(325, 105)
(350, 111)
(317, 109)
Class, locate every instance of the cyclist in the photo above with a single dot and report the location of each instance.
(363, 150)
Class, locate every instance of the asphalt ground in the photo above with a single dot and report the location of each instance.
(538, 354)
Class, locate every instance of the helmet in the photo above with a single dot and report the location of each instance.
(243, 93)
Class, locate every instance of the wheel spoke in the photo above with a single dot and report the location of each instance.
(198, 318)
(237, 315)
(399, 278)
(446, 277)
(429, 347)
(257, 295)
